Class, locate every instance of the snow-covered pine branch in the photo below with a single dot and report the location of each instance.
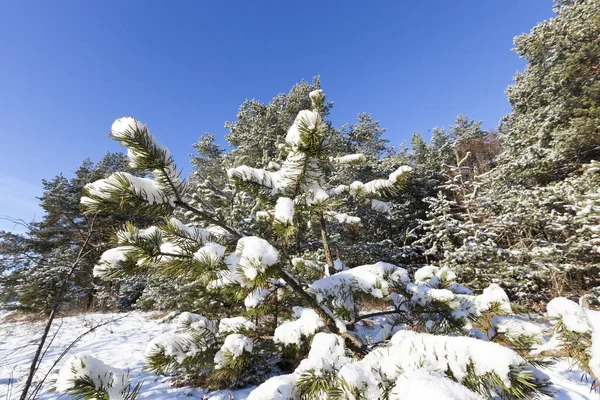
(156, 195)
(85, 377)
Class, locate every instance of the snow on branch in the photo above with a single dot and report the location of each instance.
(342, 218)
(379, 186)
(84, 375)
(490, 368)
(122, 191)
(307, 324)
(380, 206)
(349, 159)
(173, 248)
(146, 154)
(576, 334)
(372, 279)
(235, 325)
(234, 347)
(306, 126)
(284, 210)
(192, 341)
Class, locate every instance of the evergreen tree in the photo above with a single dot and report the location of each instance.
(553, 127)
(526, 225)
(35, 264)
(260, 129)
(297, 206)
(364, 137)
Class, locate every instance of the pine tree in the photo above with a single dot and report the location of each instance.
(296, 205)
(553, 127)
(36, 263)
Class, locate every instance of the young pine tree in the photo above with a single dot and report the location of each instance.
(321, 300)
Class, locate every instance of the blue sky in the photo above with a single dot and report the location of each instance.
(69, 68)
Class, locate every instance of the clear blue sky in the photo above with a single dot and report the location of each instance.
(69, 68)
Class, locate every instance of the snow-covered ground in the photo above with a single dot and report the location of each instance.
(122, 344)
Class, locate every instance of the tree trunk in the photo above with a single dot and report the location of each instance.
(327, 250)
(59, 295)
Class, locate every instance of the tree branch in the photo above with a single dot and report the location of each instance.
(208, 218)
(351, 341)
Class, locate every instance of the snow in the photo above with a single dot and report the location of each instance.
(131, 235)
(282, 387)
(570, 313)
(298, 169)
(110, 259)
(315, 95)
(316, 195)
(176, 345)
(234, 345)
(441, 353)
(266, 178)
(338, 190)
(86, 367)
(229, 276)
(409, 352)
(493, 295)
(180, 344)
(211, 251)
(579, 320)
(327, 355)
(305, 118)
(425, 273)
(570, 383)
(195, 321)
(551, 345)
(125, 127)
(338, 265)
(423, 294)
(380, 206)
(377, 185)
(593, 318)
(284, 210)
(349, 159)
(263, 215)
(121, 345)
(256, 250)
(343, 218)
(422, 384)
(146, 189)
(257, 297)
(255, 254)
(219, 232)
(399, 173)
(170, 250)
(515, 327)
(291, 332)
(191, 232)
(272, 165)
(371, 279)
(235, 324)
